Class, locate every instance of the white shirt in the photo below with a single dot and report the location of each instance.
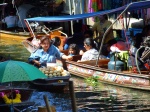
(11, 21)
(91, 54)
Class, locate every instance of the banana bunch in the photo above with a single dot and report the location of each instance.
(54, 71)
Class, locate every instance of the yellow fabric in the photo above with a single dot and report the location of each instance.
(101, 28)
(123, 55)
(9, 101)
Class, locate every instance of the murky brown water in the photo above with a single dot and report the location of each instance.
(13, 48)
(105, 98)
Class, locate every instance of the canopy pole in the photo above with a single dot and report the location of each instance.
(30, 29)
(70, 12)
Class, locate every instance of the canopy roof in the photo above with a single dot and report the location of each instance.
(132, 6)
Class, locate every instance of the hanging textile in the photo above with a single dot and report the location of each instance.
(94, 6)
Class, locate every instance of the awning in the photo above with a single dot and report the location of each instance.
(132, 6)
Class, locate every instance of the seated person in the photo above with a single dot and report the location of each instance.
(136, 43)
(77, 37)
(46, 54)
(11, 20)
(73, 50)
(56, 41)
(91, 52)
(88, 34)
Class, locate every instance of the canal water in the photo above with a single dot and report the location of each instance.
(103, 98)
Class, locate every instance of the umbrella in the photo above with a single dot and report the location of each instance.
(18, 71)
(11, 71)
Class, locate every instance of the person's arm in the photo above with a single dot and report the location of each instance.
(94, 27)
(67, 57)
(60, 55)
(33, 59)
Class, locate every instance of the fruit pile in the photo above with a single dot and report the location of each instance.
(54, 71)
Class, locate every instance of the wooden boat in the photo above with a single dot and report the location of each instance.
(120, 78)
(31, 43)
(25, 96)
(52, 84)
(14, 37)
(88, 68)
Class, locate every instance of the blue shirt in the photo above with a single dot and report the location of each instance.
(43, 57)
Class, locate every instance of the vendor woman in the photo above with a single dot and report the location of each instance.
(48, 53)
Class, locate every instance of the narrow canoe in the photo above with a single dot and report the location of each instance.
(120, 78)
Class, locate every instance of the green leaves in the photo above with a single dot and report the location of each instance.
(92, 81)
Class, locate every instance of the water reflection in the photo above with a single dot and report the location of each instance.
(105, 98)
(112, 98)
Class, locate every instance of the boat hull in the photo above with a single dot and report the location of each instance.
(125, 79)
(14, 35)
(55, 84)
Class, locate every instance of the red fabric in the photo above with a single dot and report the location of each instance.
(147, 66)
(119, 46)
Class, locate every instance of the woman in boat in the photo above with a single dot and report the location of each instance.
(88, 34)
(73, 50)
(101, 26)
(91, 51)
(48, 53)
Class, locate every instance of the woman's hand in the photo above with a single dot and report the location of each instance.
(37, 63)
(69, 58)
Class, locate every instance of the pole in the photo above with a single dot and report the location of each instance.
(72, 94)
(47, 104)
